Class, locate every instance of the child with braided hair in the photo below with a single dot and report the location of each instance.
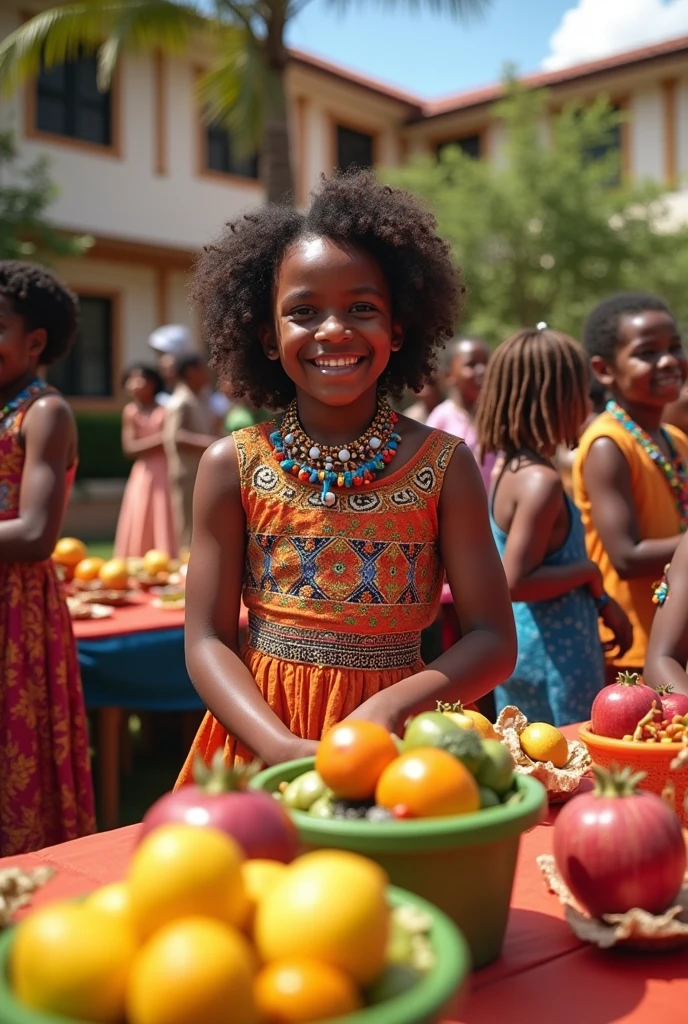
(534, 400)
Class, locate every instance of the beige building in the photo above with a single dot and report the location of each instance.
(139, 172)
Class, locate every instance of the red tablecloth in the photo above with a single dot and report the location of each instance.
(138, 617)
(544, 974)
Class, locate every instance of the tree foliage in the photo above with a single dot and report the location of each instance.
(26, 192)
(547, 227)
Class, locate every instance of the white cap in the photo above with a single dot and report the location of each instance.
(173, 339)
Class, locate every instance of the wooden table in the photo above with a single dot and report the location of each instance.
(545, 974)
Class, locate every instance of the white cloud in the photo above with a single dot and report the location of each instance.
(598, 28)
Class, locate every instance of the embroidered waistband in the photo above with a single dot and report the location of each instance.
(334, 650)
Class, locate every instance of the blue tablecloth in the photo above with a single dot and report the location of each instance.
(142, 671)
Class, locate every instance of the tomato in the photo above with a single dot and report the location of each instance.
(428, 729)
(72, 961)
(300, 991)
(496, 770)
(352, 756)
(429, 783)
(330, 906)
(181, 870)
(194, 969)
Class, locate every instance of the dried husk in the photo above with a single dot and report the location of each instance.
(16, 889)
(559, 782)
(635, 929)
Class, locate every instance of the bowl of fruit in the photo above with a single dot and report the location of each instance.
(442, 811)
(197, 933)
(637, 727)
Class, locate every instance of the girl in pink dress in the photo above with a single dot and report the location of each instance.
(145, 518)
(46, 795)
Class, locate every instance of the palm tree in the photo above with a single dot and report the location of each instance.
(245, 86)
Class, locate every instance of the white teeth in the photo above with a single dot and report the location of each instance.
(336, 361)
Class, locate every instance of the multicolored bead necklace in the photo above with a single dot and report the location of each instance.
(674, 469)
(351, 465)
(14, 403)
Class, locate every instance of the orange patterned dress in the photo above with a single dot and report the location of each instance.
(337, 597)
(46, 795)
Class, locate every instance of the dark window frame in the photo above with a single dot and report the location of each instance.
(68, 374)
(217, 138)
(341, 132)
(76, 102)
(466, 143)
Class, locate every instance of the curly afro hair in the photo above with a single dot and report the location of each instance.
(601, 330)
(234, 281)
(43, 302)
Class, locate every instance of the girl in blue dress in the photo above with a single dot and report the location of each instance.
(535, 399)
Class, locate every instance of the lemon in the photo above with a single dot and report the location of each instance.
(182, 870)
(543, 742)
(259, 877)
(112, 900)
(331, 907)
(155, 562)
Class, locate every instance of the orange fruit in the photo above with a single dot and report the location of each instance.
(429, 783)
(69, 552)
(155, 562)
(193, 970)
(543, 742)
(112, 900)
(259, 878)
(181, 871)
(352, 756)
(300, 991)
(88, 569)
(330, 906)
(72, 961)
(114, 575)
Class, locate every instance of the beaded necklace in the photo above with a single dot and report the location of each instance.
(674, 469)
(19, 399)
(352, 465)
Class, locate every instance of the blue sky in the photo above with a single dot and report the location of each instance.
(432, 55)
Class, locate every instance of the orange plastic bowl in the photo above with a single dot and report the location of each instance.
(652, 758)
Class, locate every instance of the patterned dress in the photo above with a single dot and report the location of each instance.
(46, 795)
(337, 597)
(560, 665)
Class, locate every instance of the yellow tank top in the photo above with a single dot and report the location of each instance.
(657, 516)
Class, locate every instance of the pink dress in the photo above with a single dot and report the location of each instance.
(449, 417)
(145, 518)
(46, 795)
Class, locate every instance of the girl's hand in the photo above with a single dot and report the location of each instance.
(292, 750)
(616, 620)
(377, 708)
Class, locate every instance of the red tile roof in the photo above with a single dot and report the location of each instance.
(488, 94)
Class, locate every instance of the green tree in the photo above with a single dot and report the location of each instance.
(26, 192)
(550, 228)
(245, 87)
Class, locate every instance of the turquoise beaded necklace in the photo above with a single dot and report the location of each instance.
(674, 469)
(19, 399)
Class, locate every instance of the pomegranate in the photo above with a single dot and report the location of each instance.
(219, 799)
(617, 708)
(673, 703)
(617, 848)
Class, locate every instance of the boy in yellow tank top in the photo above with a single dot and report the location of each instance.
(630, 479)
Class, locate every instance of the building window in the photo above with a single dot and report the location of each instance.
(220, 157)
(87, 371)
(468, 144)
(354, 149)
(69, 103)
(612, 144)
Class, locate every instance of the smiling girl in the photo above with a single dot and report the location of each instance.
(338, 518)
(45, 781)
(630, 478)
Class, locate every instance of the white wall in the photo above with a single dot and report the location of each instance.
(646, 129)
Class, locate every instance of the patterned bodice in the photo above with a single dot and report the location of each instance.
(367, 565)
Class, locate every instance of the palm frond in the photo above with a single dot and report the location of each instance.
(465, 9)
(62, 33)
(235, 92)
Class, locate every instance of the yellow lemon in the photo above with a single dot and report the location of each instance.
(112, 900)
(330, 906)
(543, 742)
(259, 878)
(155, 562)
(181, 871)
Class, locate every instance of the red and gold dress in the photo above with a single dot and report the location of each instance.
(46, 795)
(337, 596)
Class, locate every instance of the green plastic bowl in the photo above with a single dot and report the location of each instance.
(424, 1003)
(463, 864)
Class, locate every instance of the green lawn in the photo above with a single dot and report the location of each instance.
(100, 548)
